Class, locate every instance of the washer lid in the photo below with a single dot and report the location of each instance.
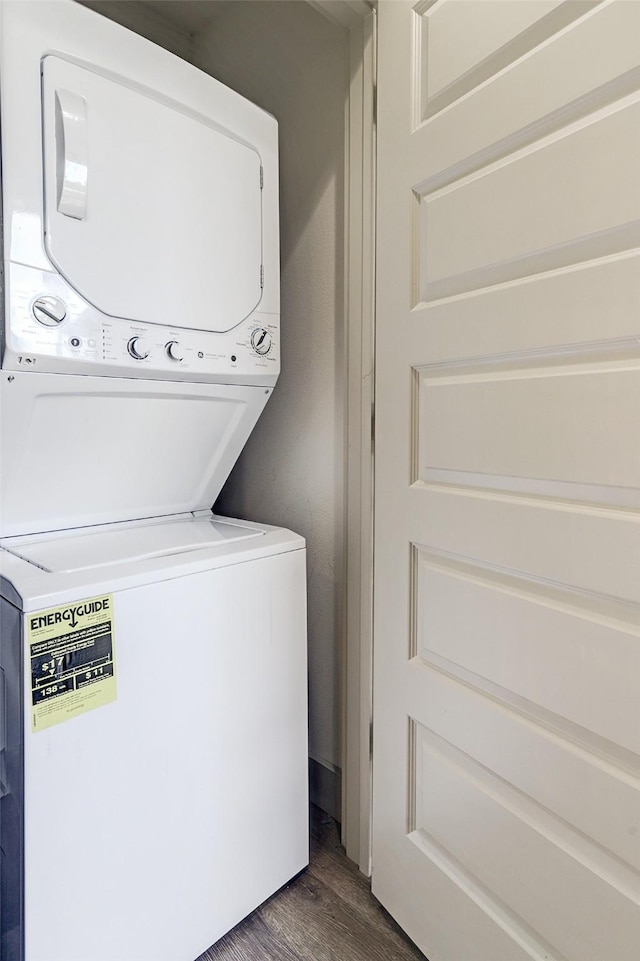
(152, 212)
(78, 552)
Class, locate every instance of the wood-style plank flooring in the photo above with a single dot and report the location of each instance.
(327, 913)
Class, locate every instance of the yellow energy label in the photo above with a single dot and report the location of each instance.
(72, 660)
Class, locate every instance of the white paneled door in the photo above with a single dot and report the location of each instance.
(507, 647)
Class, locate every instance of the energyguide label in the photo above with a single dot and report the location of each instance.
(72, 660)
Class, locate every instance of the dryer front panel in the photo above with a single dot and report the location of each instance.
(152, 212)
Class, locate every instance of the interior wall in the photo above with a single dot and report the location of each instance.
(142, 18)
(293, 62)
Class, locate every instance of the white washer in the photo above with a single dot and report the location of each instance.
(144, 828)
(153, 762)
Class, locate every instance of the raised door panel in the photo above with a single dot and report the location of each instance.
(468, 241)
(480, 822)
(533, 430)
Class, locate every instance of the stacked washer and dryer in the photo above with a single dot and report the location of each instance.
(153, 756)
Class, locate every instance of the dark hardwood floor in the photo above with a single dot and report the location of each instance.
(327, 913)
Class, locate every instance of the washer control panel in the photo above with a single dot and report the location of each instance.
(52, 329)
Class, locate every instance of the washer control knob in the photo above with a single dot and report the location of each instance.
(49, 311)
(173, 350)
(261, 340)
(137, 348)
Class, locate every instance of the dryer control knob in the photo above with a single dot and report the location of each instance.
(49, 311)
(173, 350)
(261, 340)
(137, 348)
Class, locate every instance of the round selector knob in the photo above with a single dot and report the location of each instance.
(137, 347)
(261, 340)
(49, 311)
(173, 350)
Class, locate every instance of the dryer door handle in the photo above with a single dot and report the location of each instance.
(71, 154)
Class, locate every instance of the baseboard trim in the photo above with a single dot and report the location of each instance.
(325, 788)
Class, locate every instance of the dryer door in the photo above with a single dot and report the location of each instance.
(152, 213)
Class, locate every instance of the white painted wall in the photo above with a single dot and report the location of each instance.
(292, 61)
(289, 59)
(142, 18)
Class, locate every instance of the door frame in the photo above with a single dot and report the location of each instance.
(360, 241)
(359, 18)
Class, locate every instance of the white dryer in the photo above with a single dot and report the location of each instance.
(153, 785)
(141, 332)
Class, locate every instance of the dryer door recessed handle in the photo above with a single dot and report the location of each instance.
(71, 154)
